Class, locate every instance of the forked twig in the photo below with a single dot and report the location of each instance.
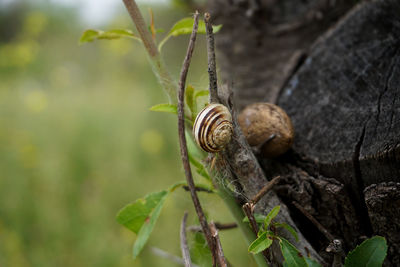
(182, 142)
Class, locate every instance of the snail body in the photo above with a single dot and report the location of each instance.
(267, 127)
(213, 127)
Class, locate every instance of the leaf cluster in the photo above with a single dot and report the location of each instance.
(370, 253)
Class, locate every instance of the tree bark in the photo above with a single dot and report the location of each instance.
(334, 66)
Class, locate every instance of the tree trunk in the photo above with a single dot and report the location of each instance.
(334, 66)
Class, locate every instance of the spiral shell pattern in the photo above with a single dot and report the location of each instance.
(213, 127)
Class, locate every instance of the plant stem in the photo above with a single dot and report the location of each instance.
(159, 68)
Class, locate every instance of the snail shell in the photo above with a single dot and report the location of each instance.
(268, 127)
(213, 127)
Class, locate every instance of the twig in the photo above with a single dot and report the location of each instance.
(167, 82)
(166, 255)
(182, 141)
(320, 227)
(212, 68)
(198, 189)
(184, 245)
(220, 252)
(220, 226)
(265, 189)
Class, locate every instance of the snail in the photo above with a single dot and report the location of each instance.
(213, 127)
(267, 127)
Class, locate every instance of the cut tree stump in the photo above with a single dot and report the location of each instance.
(337, 74)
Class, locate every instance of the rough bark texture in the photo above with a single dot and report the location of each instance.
(335, 69)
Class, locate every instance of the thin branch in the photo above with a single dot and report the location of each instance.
(320, 227)
(182, 141)
(167, 82)
(166, 255)
(198, 189)
(265, 189)
(184, 244)
(225, 226)
(220, 252)
(220, 226)
(212, 66)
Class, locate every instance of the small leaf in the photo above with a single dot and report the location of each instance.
(176, 185)
(272, 214)
(141, 216)
(190, 101)
(289, 228)
(292, 256)
(185, 26)
(370, 253)
(88, 36)
(312, 263)
(263, 241)
(259, 218)
(91, 35)
(169, 108)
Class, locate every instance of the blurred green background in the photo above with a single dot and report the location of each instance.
(77, 142)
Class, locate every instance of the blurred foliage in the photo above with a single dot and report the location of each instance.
(77, 142)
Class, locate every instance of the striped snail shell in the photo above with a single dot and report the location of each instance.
(213, 127)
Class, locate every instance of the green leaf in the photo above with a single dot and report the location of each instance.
(272, 214)
(169, 108)
(263, 241)
(185, 26)
(91, 35)
(141, 216)
(176, 185)
(292, 256)
(259, 218)
(370, 253)
(289, 228)
(312, 263)
(189, 95)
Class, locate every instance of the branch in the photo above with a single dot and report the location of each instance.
(219, 226)
(184, 245)
(320, 227)
(182, 141)
(265, 190)
(167, 82)
(212, 66)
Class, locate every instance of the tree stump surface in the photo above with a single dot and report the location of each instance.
(337, 75)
